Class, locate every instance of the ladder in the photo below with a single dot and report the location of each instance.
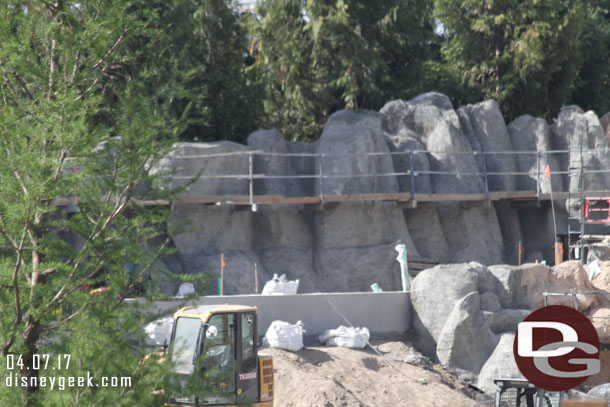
(575, 204)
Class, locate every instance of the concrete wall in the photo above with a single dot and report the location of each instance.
(386, 315)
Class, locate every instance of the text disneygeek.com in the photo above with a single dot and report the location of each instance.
(62, 382)
(40, 363)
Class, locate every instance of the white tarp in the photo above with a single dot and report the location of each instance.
(159, 331)
(404, 265)
(347, 337)
(280, 286)
(594, 269)
(285, 335)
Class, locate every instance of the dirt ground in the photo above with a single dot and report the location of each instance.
(333, 377)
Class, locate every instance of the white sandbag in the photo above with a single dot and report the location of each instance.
(185, 289)
(347, 337)
(284, 335)
(159, 331)
(280, 286)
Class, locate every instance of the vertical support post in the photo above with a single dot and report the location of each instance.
(412, 171)
(539, 397)
(558, 252)
(171, 180)
(520, 252)
(321, 175)
(222, 273)
(583, 241)
(255, 279)
(538, 175)
(484, 162)
(251, 177)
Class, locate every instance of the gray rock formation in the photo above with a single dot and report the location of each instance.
(284, 242)
(465, 341)
(484, 125)
(355, 246)
(472, 233)
(189, 160)
(534, 134)
(348, 144)
(489, 302)
(501, 363)
(269, 163)
(427, 232)
(459, 309)
(431, 118)
(406, 142)
(198, 229)
(434, 293)
(605, 122)
(348, 246)
(505, 320)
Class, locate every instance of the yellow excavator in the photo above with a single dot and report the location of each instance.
(214, 353)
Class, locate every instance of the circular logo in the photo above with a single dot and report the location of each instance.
(556, 348)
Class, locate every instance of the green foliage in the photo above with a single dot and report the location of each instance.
(315, 57)
(524, 53)
(594, 77)
(81, 124)
(208, 45)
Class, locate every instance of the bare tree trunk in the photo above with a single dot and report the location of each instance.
(31, 337)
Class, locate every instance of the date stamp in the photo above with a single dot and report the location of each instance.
(39, 362)
(22, 371)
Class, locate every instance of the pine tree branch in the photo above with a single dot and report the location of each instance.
(5, 233)
(111, 50)
(82, 95)
(52, 69)
(75, 68)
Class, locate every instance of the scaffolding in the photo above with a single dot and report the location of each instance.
(575, 202)
(403, 166)
(322, 175)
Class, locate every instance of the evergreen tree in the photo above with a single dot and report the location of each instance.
(317, 57)
(214, 47)
(79, 126)
(592, 88)
(524, 53)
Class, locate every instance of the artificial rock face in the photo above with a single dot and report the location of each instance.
(528, 133)
(501, 364)
(466, 340)
(436, 291)
(347, 246)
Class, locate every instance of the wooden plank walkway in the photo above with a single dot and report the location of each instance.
(314, 200)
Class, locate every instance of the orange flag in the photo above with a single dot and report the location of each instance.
(547, 172)
(222, 260)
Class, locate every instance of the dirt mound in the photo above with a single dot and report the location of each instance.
(333, 377)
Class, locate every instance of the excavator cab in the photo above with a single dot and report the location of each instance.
(214, 354)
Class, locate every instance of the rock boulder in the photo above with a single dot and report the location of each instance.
(434, 293)
(465, 342)
(348, 144)
(524, 285)
(501, 363)
(487, 130)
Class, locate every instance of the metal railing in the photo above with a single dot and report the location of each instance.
(319, 173)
